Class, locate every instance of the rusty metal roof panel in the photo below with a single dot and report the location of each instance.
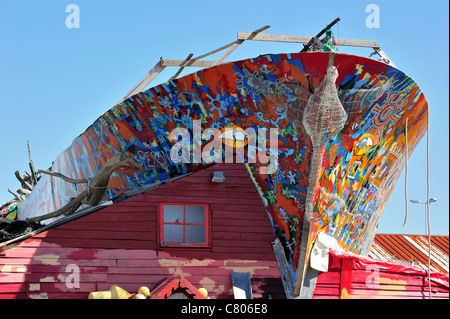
(413, 250)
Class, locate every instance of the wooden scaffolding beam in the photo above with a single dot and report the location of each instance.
(256, 35)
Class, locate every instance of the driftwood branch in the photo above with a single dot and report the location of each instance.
(67, 179)
(24, 191)
(19, 198)
(96, 187)
(24, 180)
(33, 172)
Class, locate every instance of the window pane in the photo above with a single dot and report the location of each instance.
(173, 214)
(195, 214)
(195, 234)
(173, 233)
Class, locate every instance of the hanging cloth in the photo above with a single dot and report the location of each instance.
(329, 42)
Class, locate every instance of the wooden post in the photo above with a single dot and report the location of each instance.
(285, 272)
(33, 173)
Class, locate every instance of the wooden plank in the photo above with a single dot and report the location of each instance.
(242, 225)
(61, 287)
(122, 217)
(58, 269)
(285, 272)
(304, 39)
(21, 262)
(7, 287)
(142, 84)
(240, 244)
(60, 295)
(236, 44)
(20, 278)
(186, 197)
(182, 66)
(242, 250)
(61, 252)
(21, 295)
(199, 64)
(213, 51)
(138, 254)
(244, 236)
(238, 228)
(211, 191)
(242, 287)
(133, 278)
(113, 226)
(101, 234)
(274, 37)
(249, 215)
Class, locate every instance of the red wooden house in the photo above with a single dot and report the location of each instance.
(191, 227)
(188, 234)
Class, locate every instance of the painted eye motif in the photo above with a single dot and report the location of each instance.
(364, 144)
(367, 141)
(234, 136)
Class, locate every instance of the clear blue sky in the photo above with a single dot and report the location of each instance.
(55, 81)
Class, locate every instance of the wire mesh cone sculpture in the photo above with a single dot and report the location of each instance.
(323, 118)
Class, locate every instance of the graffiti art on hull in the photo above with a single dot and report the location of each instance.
(355, 168)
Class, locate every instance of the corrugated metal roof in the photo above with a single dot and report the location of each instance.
(412, 250)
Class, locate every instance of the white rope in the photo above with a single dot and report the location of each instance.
(406, 173)
(428, 204)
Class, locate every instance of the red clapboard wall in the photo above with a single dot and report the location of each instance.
(119, 245)
(355, 277)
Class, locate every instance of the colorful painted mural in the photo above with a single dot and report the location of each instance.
(359, 164)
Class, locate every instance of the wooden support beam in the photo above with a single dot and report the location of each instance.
(305, 39)
(182, 66)
(235, 45)
(214, 51)
(142, 84)
(199, 64)
(302, 258)
(241, 37)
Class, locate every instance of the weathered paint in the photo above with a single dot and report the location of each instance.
(119, 245)
(245, 94)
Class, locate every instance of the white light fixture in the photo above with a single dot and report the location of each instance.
(430, 201)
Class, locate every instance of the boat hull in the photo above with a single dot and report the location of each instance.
(359, 165)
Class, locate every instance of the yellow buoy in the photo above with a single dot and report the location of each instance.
(144, 291)
(115, 292)
(203, 291)
(119, 293)
(100, 295)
